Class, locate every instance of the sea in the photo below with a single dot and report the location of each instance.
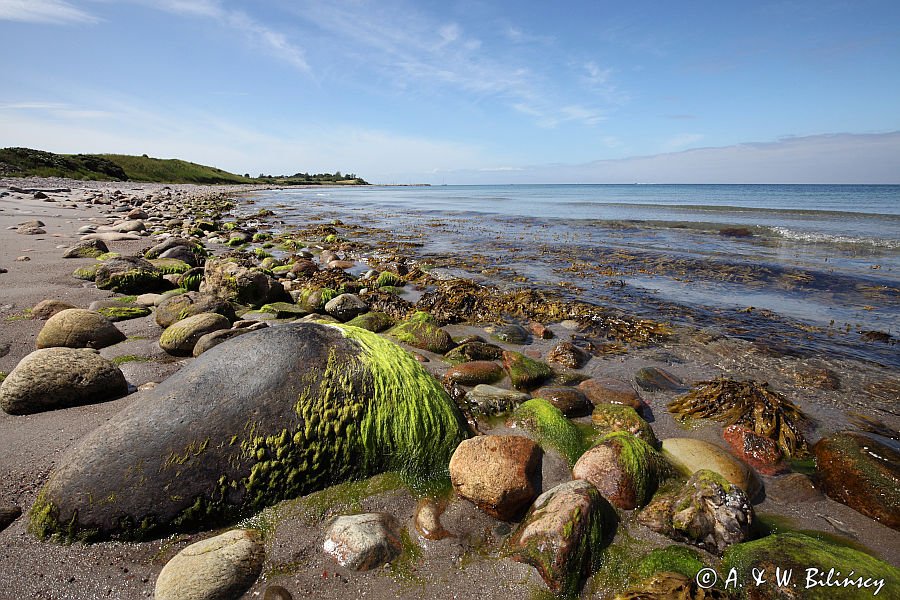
(815, 268)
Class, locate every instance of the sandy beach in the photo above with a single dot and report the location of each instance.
(468, 563)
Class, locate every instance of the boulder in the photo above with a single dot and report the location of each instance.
(473, 350)
(689, 455)
(214, 338)
(173, 242)
(364, 542)
(181, 337)
(345, 307)
(78, 328)
(623, 467)
(862, 472)
(568, 355)
(219, 568)
(525, 373)
(707, 511)
(372, 321)
(813, 561)
(497, 473)
(129, 275)
(59, 378)
(561, 535)
(475, 372)
(87, 249)
(602, 390)
(181, 253)
(181, 306)
(245, 285)
(272, 414)
(569, 400)
(549, 428)
(421, 331)
(45, 309)
(617, 417)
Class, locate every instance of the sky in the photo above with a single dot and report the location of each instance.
(396, 91)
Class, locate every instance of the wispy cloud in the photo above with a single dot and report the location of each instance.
(270, 40)
(681, 141)
(56, 12)
(57, 110)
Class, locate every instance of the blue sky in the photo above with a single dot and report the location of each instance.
(467, 91)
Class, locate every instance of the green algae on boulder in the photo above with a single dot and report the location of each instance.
(813, 563)
(269, 415)
(525, 373)
(129, 275)
(421, 331)
(87, 273)
(168, 266)
(617, 417)
(469, 351)
(561, 535)
(550, 428)
(123, 312)
(675, 559)
(623, 467)
(372, 321)
(181, 306)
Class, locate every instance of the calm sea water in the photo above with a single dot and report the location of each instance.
(822, 254)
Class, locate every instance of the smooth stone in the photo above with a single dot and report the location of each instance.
(510, 334)
(498, 474)
(8, 514)
(654, 379)
(219, 568)
(346, 307)
(372, 321)
(602, 390)
(110, 236)
(276, 592)
(475, 372)
(181, 337)
(180, 306)
(539, 330)
(363, 542)
(569, 400)
(623, 467)
(78, 328)
(421, 331)
(489, 400)
(568, 355)
(525, 373)
(214, 338)
(617, 417)
(87, 249)
(690, 455)
(45, 309)
(760, 452)
(54, 378)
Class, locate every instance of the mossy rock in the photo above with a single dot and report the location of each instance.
(191, 280)
(284, 310)
(623, 467)
(421, 331)
(184, 305)
(170, 266)
(550, 428)
(372, 321)
(87, 273)
(129, 275)
(674, 559)
(123, 313)
(180, 337)
(608, 418)
(470, 351)
(525, 373)
(388, 279)
(800, 553)
(108, 255)
(266, 416)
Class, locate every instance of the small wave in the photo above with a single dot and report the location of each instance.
(817, 237)
(720, 208)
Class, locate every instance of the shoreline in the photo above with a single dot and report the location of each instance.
(32, 445)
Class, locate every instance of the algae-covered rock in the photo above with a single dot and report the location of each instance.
(674, 559)
(568, 355)
(59, 378)
(123, 312)
(284, 310)
(129, 275)
(863, 473)
(654, 379)
(810, 561)
(182, 306)
(550, 428)
(179, 338)
(707, 511)
(245, 285)
(618, 417)
(473, 350)
(269, 415)
(525, 373)
(623, 467)
(86, 249)
(372, 321)
(421, 331)
(561, 535)
(78, 328)
(87, 272)
(668, 585)
(169, 266)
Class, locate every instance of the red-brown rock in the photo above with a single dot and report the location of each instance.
(760, 452)
(602, 390)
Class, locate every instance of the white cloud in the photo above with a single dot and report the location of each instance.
(43, 11)
(681, 141)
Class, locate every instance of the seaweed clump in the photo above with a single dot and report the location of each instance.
(747, 403)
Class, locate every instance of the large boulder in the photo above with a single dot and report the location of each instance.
(707, 511)
(617, 417)
(129, 275)
(862, 472)
(219, 568)
(78, 328)
(421, 331)
(59, 378)
(182, 306)
(266, 416)
(87, 249)
(245, 285)
(561, 535)
(623, 467)
(497, 473)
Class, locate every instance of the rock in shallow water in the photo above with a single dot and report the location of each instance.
(219, 568)
(363, 542)
(269, 415)
(690, 455)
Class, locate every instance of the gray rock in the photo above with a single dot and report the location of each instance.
(214, 338)
(510, 334)
(87, 249)
(8, 514)
(110, 236)
(245, 285)
(129, 275)
(489, 400)
(180, 306)
(45, 309)
(181, 337)
(78, 328)
(59, 378)
(363, 542)
(182, 253)
(269, 415)
(345, 307)
(219, 568)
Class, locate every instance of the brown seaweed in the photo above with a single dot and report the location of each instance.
(746, 403)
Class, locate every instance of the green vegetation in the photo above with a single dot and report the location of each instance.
(551, 428)
(25, 162)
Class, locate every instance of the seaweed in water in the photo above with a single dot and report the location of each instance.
(747, 403)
